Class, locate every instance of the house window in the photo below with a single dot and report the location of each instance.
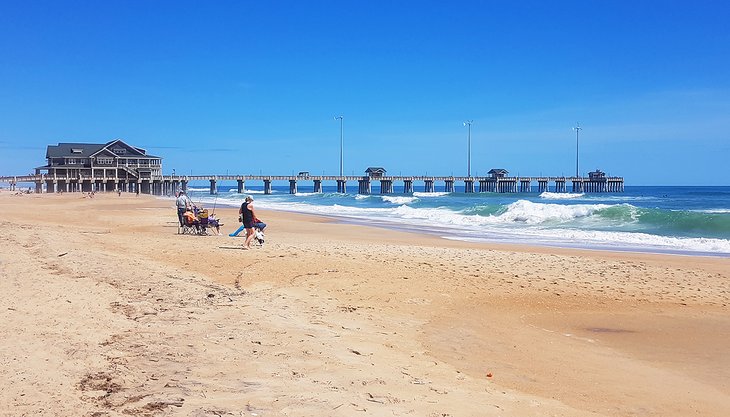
(119, 151)
(105, 161)
(72, 161)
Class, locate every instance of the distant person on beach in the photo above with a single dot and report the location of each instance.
(247, 216)
(183, 204)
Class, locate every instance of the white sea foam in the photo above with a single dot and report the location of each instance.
(713, 211)
(398, 200)
(524, 211)
(606, 240)
(362, 197)
(420, 194)
(560, 196)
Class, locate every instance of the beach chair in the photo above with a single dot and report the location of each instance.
(202, 217)
(191, 225)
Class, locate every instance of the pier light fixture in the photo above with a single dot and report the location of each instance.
(468, 148)
(577, 129)
(341, 119)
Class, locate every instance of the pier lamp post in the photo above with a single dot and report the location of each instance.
(577, 129)
(468, 148)
(341, 139)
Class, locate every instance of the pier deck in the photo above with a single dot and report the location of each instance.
(169, 184)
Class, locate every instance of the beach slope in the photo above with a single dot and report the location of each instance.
(106, 311)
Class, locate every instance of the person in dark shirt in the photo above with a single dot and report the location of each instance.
(248, 216)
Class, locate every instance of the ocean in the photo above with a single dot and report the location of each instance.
(676, 220)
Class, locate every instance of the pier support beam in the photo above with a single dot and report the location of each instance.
(292, 186)
(386, 187)
(449, 186)
(525, 186)
(317, 186)
(469, 186)
(241, 186)
(428, 186)
(212, 187)
(267, 186)
(407, 186)
(363, 186)
(578, 186)
(342, 186)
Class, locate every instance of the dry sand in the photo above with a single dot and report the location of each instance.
(106, 311)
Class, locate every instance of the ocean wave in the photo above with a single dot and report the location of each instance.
(523, 211)
(713, 211)
(541, 223)
(434, 194)
(398, 200)
(560, 196)
(609, 240)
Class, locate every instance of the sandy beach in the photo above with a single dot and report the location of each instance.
(107, 311)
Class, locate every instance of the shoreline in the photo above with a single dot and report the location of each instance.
(446, 233)
(113, 312)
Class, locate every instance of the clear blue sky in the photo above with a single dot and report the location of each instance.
(252, 86)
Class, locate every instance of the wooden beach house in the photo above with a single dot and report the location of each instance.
(90, 166)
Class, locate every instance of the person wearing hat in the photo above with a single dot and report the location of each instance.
(183, 204)
(247, 217)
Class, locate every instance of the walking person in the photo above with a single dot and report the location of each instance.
(248, 215)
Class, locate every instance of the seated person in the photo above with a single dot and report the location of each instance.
(214, 222)
(190, 219)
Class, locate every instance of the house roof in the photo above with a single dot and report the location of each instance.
(375, 169)
(498, 171)
(72, 149)
(85, 150)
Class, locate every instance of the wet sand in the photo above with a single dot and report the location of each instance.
(106, 311)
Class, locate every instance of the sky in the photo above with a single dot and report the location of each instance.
(253, 87)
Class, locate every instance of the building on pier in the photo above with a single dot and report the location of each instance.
(98, 167)
(375, 172)
(498, 173)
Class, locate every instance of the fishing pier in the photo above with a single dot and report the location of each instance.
(170, 184)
